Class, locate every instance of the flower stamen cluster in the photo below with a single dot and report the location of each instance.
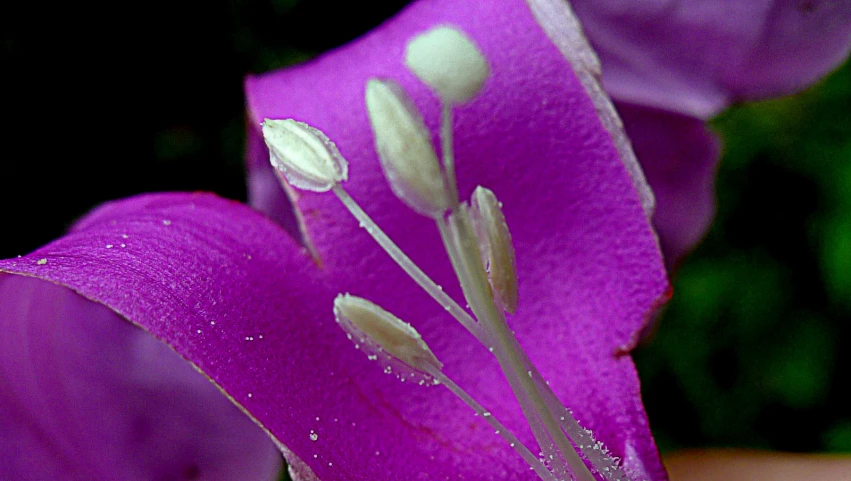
(475, 236)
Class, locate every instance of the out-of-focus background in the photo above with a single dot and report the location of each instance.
(106, 101)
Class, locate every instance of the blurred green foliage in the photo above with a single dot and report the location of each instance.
(753, 350)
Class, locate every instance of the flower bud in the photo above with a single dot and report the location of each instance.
(448, 62)
(404, 146)
(382, 331)
(497, 249)
(304, 155)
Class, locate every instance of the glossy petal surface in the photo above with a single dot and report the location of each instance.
(87, 396)
(697, 57)
(590, 270)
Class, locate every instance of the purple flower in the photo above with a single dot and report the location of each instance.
(87, 395)
(670, 66)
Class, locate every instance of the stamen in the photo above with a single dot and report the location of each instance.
(407, 265)
(379, 331)
(449, 62)
(496, 246)
(462, 246)
(304, 155)
(448, 150)
(499, 428)
(404, 146)
(382, 331)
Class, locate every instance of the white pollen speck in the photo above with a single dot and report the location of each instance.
(512, 445)
(330, 464)
(125, 236)
(123, 245)
(166, 222)
(315, 456)
(490, 349)
(250, 395)
(529, 373)
(313, 435)
(317, 418)
(335, 420)
(372, 357)
(486, 414)
(260, 336)
(212, 323)
(109, 246)
(198, 331)
(42, 262)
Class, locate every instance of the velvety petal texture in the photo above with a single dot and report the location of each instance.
(230, 291)
(590, 268)
(697, 57)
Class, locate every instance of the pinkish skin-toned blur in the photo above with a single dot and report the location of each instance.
(88, 395)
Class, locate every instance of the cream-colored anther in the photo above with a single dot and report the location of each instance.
(304, 155)
(496, 246)
(363, 319)
(448, 62)
(404, 146)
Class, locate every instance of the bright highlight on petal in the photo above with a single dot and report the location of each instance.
(448, 62)
(304, 155)
(404, 146)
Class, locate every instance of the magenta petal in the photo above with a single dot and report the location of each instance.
(679, 156)
(590, 268)
(87, 396)
(697, 57)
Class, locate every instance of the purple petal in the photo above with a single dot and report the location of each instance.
(679, 156)
(88, 396)
(589, 265)
(697, 57)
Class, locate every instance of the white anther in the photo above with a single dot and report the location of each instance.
(404, 146)
(497, 249)
(364, 319)
(448, 62)
(304, 155)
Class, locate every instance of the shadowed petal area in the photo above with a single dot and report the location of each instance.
(679, 156)
(88, 396)
(589, 265)
(697, 57)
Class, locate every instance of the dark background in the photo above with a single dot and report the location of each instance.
(106, 101)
